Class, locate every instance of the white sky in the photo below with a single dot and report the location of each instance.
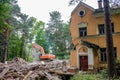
(40, 9)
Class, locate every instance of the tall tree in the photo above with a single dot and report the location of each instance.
(54, 31)
(40, 37)
(25, 28)
(58, 34)
(109, 41)
(19, 34)
(66, 35)
(65, 42)
(5, 8)
(15, 10)
(14, 35)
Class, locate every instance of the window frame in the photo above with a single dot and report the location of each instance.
(102, 27)
(82, 31)
(103, 55)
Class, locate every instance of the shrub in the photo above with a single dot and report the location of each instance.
(117, 67)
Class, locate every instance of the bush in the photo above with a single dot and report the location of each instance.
(63, 55)
(117, 67)
(104, 73)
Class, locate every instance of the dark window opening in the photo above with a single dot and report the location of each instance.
(101, 28)
(74, 48)
(83, 32)
(112, 25)
(103, 55)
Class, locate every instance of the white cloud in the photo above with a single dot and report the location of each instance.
(41, 8)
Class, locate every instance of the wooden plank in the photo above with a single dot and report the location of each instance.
(4, 72)
(28, 74)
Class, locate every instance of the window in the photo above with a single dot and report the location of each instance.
(103, 55)
(112, 25)
(83, 31)
(81, 13)
(101, 28)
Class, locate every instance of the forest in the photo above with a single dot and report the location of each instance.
(18, 31)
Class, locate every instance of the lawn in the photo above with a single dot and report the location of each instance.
(86, 76)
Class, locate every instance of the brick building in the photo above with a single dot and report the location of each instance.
(88, 36)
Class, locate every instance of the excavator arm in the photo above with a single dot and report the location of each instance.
(40, 48)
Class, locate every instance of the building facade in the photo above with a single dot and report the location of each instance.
(87, 29)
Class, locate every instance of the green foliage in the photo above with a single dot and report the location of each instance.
(104, 73)
(53, 31)
(14, 47)
(86, 76)
(117, 67)
(25, 29)
(40, 38)
(21, 32)
(5, 9)
(81, 76)
(63, 55)
(58, 34)
(29, 58)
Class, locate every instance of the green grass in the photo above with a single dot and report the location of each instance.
(80, 76)
(83, 76)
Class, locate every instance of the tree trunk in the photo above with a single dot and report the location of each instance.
(2, 46)
(109, 41)
(6, 44)
(6, 33)
(22, 47)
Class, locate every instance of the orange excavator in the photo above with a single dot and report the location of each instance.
(42, 56)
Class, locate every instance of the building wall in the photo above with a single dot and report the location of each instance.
(96, 58)
(73, 58)
(92, 32)
(76, 20)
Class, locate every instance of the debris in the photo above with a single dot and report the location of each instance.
(4, 71)
(28, 74)
(19, 69)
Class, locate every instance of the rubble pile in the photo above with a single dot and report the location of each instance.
(19, 69)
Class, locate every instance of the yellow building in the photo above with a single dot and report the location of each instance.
(88, 36)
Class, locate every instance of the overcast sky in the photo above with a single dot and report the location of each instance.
(40, 9)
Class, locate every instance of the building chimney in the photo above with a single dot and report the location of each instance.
(99, 4)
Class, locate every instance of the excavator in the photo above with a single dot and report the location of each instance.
(42, 56)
